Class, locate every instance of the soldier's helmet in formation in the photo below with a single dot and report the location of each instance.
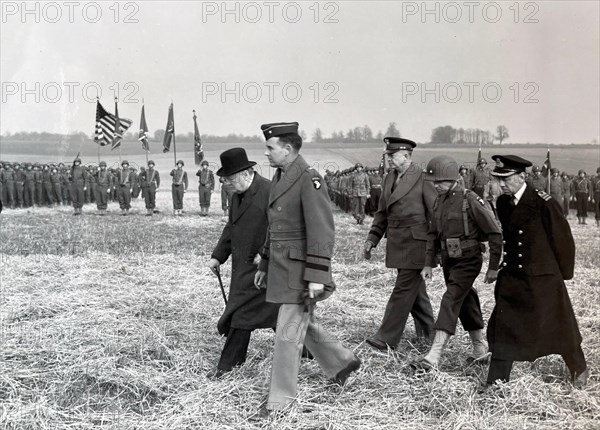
(442, 168)
(151, 162)
(554, 170)
(482, 161)
(581, 171)
(124, 162)
(103, 164)
(182, 164)
(204, 163)
(536, 168)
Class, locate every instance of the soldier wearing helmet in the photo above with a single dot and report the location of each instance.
(360, 191)
(103, 180)
(556, 185)
(595, 185)
(461, 221)
(8, 186)
(29, 186)
(179, 187)
(125, 180)
(480, 178)
(206, 186)
(78, 180)
(150, 182)
(583, 193)
(536, 180)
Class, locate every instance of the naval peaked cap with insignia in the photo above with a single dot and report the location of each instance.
(279, 128)
(393, 144)
(507, 165)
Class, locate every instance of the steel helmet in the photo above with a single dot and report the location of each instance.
(442, 168)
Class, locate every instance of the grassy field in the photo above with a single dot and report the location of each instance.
(110, 322)
(322, 156)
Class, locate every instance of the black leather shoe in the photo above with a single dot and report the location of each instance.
(378, 344)
(343, 374)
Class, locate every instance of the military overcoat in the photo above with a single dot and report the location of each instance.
(533, 315)
(404, 216)
(301, 234)
(242, 239)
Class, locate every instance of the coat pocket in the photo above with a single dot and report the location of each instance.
(419, 232)
(296, 264)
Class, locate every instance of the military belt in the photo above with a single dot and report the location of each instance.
(464, 244)
(406, 222)
(287, 235)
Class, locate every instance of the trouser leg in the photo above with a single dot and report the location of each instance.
(235, 348)
(499, 370)
(409, 295)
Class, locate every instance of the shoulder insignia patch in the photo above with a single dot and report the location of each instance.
(316, 183)
(544, 195)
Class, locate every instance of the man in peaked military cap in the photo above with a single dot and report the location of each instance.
(533, 315)
(296, 259)
(405, 207)
(242, 239)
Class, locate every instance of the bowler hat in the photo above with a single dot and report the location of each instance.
(234, 160)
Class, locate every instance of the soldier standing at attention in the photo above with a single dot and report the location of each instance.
(566, 184)
(556, 186)
(595, 185)
(536, 180)
(533, 316)
(8, 186)
(19, 184)
(360, 192)
(480, 177)
(47, 193)
(29, 186)
(227, 191)
(465, 177)
(37, 178)
(78, 185)
(92, 175)
(150, 182)
(582, 191)
(64, 173)
(103, 187)
(375, 180)
(297, 261)
(206, 186)
(56, 181)
(461, 221)
(404, 211)
(125, 182)
(179, 187)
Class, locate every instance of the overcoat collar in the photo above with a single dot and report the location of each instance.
(405, 184)
(282, 181)
(237, 209)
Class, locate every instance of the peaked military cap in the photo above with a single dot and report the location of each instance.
(279, 128)
(393, 144)
(507, 165)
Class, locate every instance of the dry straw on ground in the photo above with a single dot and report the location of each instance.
(110, 322)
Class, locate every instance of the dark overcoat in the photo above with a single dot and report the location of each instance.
(533, 315)
(301, 235)
(242, 239)
(404, 216)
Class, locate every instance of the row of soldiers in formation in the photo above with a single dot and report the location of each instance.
(357, 190)
(25, 185)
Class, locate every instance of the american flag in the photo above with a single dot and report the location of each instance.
(105, 126)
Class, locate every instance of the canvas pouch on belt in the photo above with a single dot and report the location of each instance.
(453, 248)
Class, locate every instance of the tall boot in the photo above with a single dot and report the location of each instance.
(479, 351)
(148, 212)
(439, 343)
(583, 219)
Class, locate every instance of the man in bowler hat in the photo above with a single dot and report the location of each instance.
(242, 239)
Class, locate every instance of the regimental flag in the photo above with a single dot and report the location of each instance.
(546, 170)
(143, 133)
(546, 166)
(105, 125)
(169, 131)
(198, 150)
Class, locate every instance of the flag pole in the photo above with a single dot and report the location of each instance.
(174, 145)
(97, 143)
(145, 146)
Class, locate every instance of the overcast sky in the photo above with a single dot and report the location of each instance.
(372, 65)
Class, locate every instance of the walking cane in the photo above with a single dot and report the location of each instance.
(218, 273)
